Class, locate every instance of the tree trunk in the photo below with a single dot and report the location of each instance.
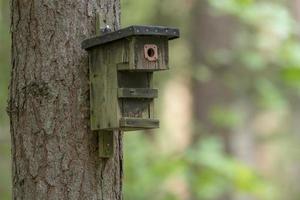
(54, 153)
(210, 33)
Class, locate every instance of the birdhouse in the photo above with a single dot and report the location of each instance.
(121, 76)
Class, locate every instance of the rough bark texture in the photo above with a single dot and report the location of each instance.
(54, 153)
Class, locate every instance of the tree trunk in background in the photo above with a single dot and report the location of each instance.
(207, 34)
(211, 33)
(54, 153)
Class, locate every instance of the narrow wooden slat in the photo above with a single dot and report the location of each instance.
(151, 104)
(137, 93)
(123, 66)
(106, 143)
(138, 123)
(127, 67)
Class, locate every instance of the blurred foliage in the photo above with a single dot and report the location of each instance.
(207, 170)
(264, 70)
(224, 117)
(219, 173)
(5, 175)
(4, 57)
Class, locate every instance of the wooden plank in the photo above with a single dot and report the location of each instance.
(113, 112)
(127, 67)
(106, 143)
(138, 123)
(131, 47)
(105, 112)
(151, 104)
(97, 87)
(137, 93)
(135, 108)
(123, 66)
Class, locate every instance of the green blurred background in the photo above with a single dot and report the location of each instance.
(229, 106)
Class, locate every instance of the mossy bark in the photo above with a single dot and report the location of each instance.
(54, 153)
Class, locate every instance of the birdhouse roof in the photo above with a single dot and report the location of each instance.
(161, 31)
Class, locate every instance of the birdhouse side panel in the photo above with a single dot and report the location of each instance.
(105, 109)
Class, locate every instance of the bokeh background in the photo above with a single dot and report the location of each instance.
(229, 106)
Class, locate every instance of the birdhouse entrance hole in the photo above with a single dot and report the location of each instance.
(151, 53)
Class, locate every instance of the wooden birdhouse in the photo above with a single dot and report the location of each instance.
(121, 76)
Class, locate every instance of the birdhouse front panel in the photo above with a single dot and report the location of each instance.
(148, 53)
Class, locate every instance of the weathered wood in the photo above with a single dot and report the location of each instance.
(151, 103)
(121, 73)
(105, 112)
(137, 60)
(136, 107)
(136, 123)
(106, 143)
(108, 84)
(137, 93)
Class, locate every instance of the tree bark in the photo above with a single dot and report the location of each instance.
(54, 153)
